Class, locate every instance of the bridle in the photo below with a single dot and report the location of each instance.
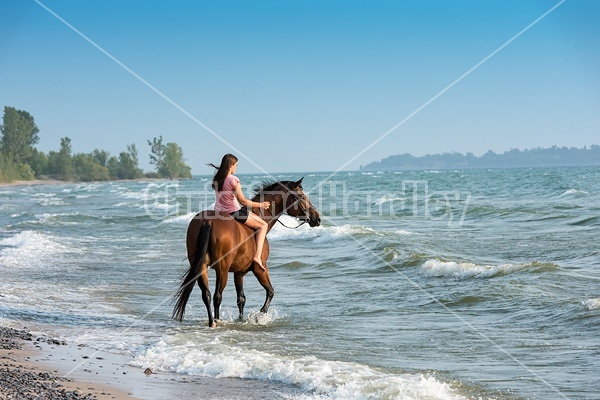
(299, 206)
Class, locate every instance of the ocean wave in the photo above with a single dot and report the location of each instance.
(32, 249)
(160, 206)
(52, 201)
(388, 199)
(317, 377)
(8, 206)
(466, 270)
(402, 232)
(589, 221)
(43, 195)
(320, 234)
(592, 304)
(127, 204)
(574, 192)
(180, 219)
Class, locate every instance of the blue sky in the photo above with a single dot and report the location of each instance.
(304, 85)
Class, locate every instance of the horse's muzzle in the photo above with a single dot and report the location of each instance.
(314, 221)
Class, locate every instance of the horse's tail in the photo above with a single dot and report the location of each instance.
(193, 273)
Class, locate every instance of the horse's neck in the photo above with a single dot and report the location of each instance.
(272, 215)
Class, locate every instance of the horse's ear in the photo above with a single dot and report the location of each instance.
(298, 184)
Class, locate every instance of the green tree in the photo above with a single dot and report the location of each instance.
(157, 152)
(168, 160)
(60, 164)
(19, 135)
(174, 166)
(113, 167)
(88, 169)
(38, 162)
(101, 156)
(9, 170)
(128, 164)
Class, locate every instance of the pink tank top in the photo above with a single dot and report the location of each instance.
(226, 200)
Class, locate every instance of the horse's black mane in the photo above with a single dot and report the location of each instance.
(269, 186)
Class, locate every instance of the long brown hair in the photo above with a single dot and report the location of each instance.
(222, 171)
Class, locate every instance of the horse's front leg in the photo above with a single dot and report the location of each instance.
(239, 288)
(265, 281)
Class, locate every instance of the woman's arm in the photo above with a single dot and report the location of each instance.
(248, 203)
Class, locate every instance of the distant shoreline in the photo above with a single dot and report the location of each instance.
(58, 182)
(529, 158)
(31, 183)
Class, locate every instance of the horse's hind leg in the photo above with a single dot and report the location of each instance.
(239, 288)
(220, 286)
(203, 283)
(265, 281)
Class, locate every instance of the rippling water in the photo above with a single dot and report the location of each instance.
(419, 285)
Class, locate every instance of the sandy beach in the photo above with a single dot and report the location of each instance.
(33, 366)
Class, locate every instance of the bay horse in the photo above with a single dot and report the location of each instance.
(215, 240)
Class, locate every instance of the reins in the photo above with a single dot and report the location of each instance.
(289, 227)
(299, 205)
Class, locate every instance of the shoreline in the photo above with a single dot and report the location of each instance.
(33, 366)
(25, 374)
(59, 182)
(32, 182)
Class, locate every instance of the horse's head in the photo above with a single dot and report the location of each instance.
(297, 204)
(289, 198)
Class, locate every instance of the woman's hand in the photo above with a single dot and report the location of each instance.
(265, 205)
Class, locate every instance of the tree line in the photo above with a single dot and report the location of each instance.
(538, 157)
(21, 160)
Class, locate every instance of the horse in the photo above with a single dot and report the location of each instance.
(215, 240)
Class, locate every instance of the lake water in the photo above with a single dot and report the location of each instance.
(474, 284)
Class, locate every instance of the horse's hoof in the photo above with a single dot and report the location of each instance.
(213, 325)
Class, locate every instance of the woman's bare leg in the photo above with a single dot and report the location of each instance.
(261, 227)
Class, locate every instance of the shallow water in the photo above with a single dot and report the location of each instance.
(418, 285)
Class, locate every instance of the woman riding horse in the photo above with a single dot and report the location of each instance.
(216, 240)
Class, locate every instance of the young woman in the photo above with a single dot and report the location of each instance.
(229, 196)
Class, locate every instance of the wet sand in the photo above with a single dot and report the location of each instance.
(27, 373)
(36, 367)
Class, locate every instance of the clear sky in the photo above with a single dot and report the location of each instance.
(304, 85)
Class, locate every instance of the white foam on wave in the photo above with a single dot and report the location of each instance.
(43, 195)
(388, 199)
(32, 249)
(161, 206)
(464, 270)
(320, 234)
(7, 206)
(571, 192)
(127, 204)
(317, 377)
(52, 201)
(180, 219)
(592, 304)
